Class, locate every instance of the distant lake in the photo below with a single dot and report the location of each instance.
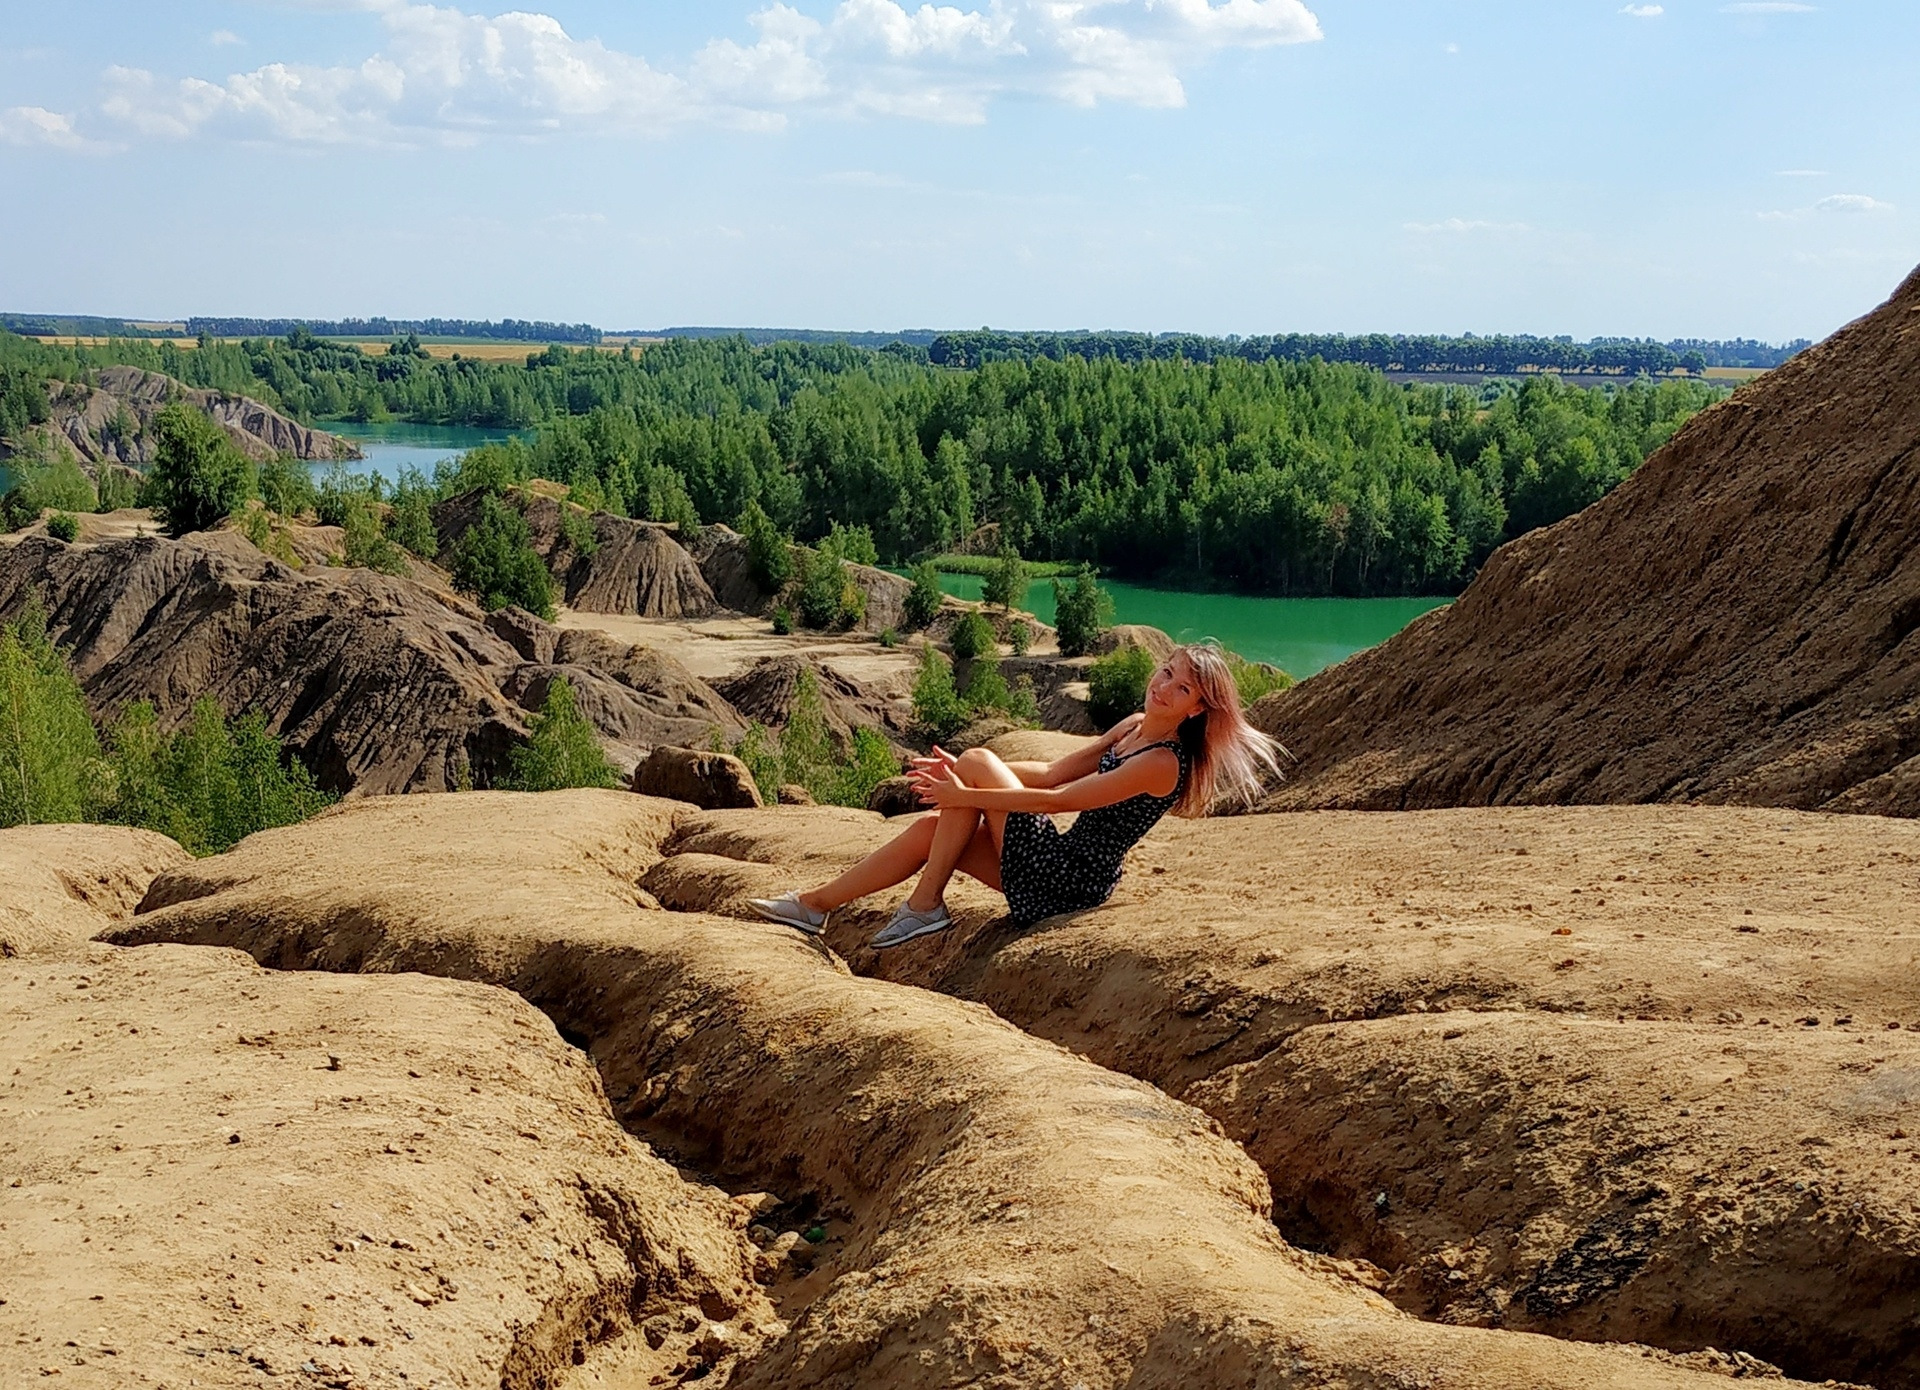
(391, 447)
(1301, 636)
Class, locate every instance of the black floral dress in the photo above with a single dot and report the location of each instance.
(1044, 872)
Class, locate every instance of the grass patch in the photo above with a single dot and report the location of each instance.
(983, 566)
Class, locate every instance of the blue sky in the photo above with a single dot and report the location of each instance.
(1692, 168)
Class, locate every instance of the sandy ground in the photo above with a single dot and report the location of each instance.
(716, 648)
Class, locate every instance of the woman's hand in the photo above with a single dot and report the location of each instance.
(939, 757)
(935, 781)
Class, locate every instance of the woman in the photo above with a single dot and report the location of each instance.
(1189, 748)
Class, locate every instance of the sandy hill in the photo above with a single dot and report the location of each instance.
(105, 421)
(1738, 623)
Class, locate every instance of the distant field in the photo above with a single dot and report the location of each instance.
(102, 342)
(1734, 373)
(474, 348)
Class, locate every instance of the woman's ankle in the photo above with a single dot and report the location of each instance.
(914, 903)
(814, 903)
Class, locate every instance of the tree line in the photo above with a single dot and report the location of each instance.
(1288, 477)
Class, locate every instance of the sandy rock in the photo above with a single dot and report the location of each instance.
(1495, 1019)
(1120, 635)
(1733, 624)
(894, 797)
(198, 1198)
(975, 1223)
(712, 781)
(60, 885)
(1036, 745)
(793, 794)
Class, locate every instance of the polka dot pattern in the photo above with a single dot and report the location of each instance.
(1044, 872)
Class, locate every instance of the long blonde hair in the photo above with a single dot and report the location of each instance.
(1229, 762)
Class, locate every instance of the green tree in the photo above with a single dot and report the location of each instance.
(50, 766)
(1117, 684)
(769, 551)
(41, 481)
(410, 518)
(1081, 610)
(367, 546)
(562, 749)
(924, 599)
(495, 561)
(973, 636)
(937, 707)
(1006, 582)
(117, 488)
(286, 486)
(198, 478)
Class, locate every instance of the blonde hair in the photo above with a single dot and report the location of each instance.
(1229, 762)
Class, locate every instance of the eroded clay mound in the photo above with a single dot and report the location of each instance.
(766, 692)
(999, 1211)
(1627, 1073)
(222, 1176)
(60, 885)
(1738, 622)
(381, 684)
(90, 419)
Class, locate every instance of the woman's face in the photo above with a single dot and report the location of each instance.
(1173, 693)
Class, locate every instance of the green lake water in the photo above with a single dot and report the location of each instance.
(1301, 636)
(392, 446)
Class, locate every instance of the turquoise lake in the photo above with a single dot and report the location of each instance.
(1301, 636)
(392, 447)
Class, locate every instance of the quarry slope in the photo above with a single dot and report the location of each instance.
(999, 1211)
(1638, 1073)
(381, 684)
(1739, 622)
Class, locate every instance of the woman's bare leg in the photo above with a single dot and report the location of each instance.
(894, 862)
(954, 834)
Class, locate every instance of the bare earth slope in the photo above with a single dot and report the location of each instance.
(1001, 1212)
(221, 1176)
(90, 419)
(381, 684)
(1629, 1073)
(1739, 622)
(61, 885)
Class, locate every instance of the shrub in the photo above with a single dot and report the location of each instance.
(562, 750)
(889, 638)
(410, 521)
(41, 482)
(808, 755)
(1117, 684)
(117, 487)
(769, 551)
(987, 692)
(1081, 610)
(782, 622)
(923, 600)
(1256, 679)
(367, 545)
(853, 544)
(340, 492)
(50, 765)
(937, 707)
(286, 485)
(64, 526)
(1006, 582)
(210, 785)
(495, 561)
(198, 478)
(756, 749)
(973, 636)
(1019, 637)
(823, 584)
(576, 529)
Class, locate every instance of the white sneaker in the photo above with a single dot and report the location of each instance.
(789, 911)
(908, 925)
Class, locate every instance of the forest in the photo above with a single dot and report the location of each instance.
(1270, 476)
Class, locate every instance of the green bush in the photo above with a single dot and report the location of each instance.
(495, 561)
(286, 486)
(211, 784)
(1256, 679)
(410, 519)
(1081, 611)
(117, 488)
(973, 636)
(562, 750)
(1006, 583)
(923, 600)
(576, 529)
(854, 544)
(1117, 684)
(340, 492)
(1019, 636)
(782, 622)
(937, 707)
(50, 764)
(41, 482)
(64, 526)
(198, 478)
(987, 692)
(889, 638)
(808, 756)
(769, 551)
(367, 546)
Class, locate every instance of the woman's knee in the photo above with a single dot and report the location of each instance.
(979, 766)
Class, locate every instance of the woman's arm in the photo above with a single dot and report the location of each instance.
(1081, 762)
(1155, 773)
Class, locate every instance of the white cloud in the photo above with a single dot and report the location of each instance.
(1645, 11)
(224, 38)
(1460, 226)
(444, 75)
(1855, 203)
(35, 125)
(1768, 7)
